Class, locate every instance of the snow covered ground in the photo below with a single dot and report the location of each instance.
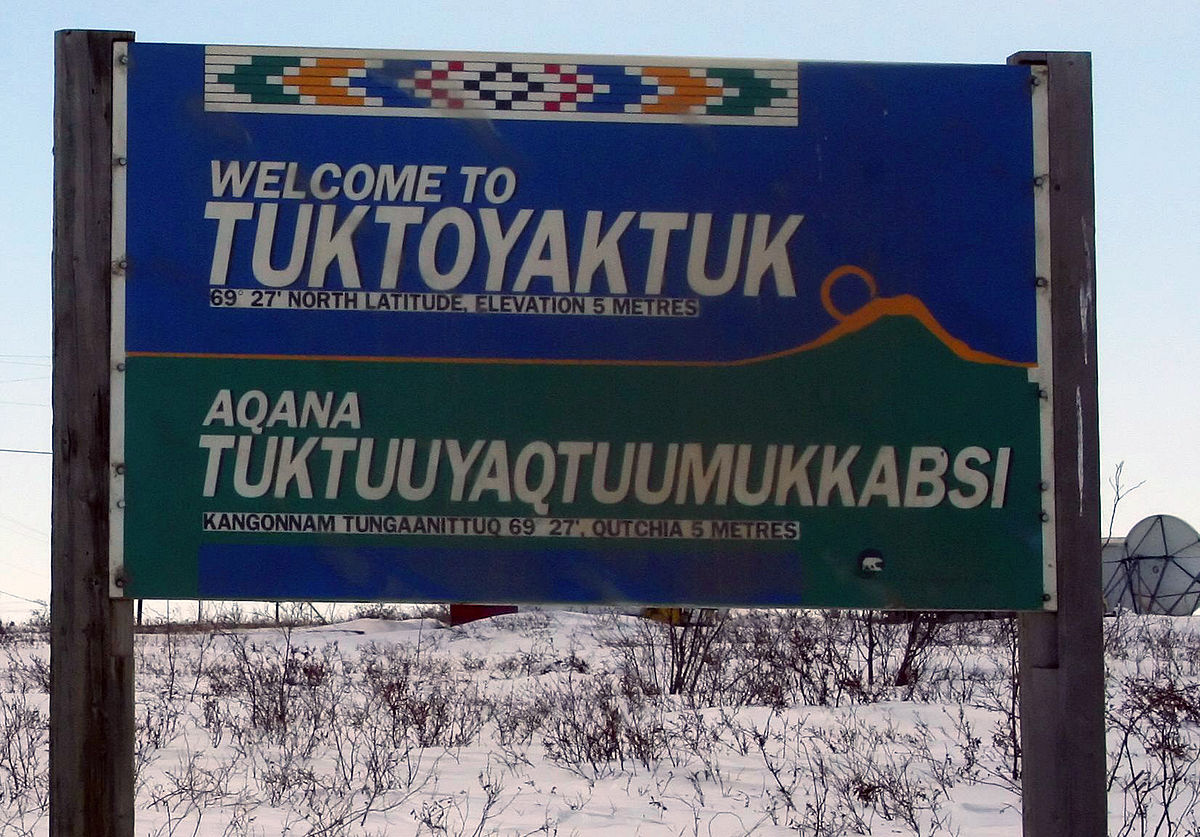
(557, 722)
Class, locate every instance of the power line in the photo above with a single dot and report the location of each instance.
(6, 523)
(39, 573)
(13, 521)
(18, 450)
(24, 599)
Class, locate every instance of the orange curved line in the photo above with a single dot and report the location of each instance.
(904, 305)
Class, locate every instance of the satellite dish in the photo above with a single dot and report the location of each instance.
(1156, 569)
(1116, 585)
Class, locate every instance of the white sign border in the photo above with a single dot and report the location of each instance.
(117, 357)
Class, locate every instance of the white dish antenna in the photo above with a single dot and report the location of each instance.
(1156, 569)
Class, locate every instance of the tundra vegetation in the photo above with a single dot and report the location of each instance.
(556, 722)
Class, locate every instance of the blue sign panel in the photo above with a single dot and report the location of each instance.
(544, 328)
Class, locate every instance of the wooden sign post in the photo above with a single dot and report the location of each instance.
(91, 635)
(1062, 655)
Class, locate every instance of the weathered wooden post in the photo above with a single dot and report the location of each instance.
(91, 634)
(1062, 656)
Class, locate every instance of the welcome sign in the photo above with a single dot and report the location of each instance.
(515, 328)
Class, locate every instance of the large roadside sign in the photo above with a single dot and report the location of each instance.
(529, 328)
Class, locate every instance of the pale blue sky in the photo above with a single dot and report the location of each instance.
(1147, 129)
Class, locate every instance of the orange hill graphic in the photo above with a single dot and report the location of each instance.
(904, 305)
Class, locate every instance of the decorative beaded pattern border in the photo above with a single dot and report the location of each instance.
(268, 79)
